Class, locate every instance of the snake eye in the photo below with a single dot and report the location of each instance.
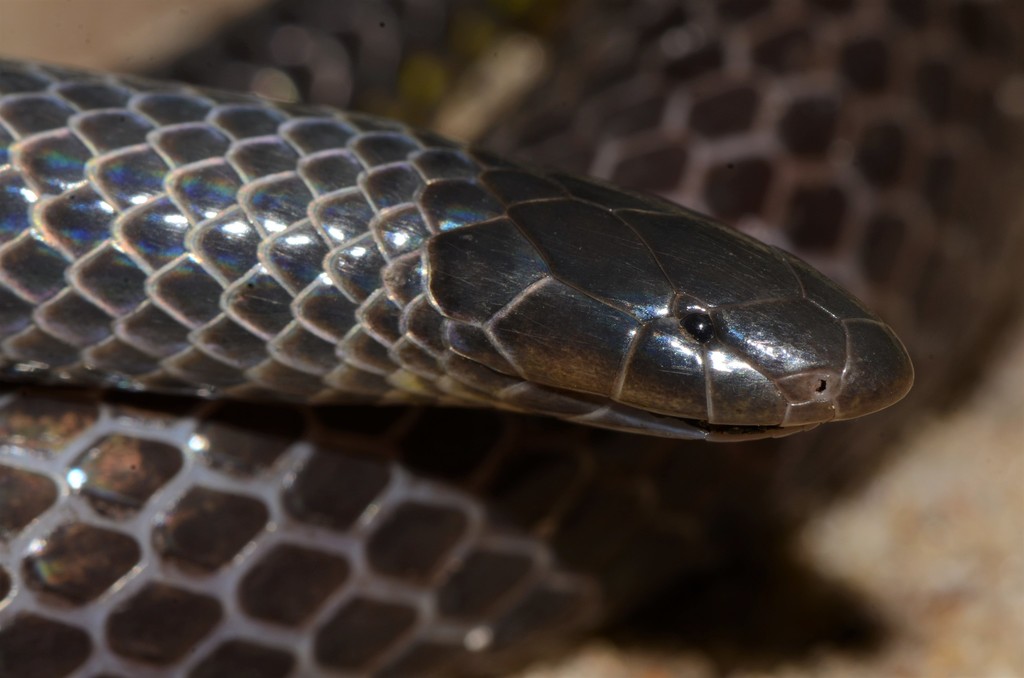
(699, 326)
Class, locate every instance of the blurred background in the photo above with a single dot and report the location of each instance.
(931, 549)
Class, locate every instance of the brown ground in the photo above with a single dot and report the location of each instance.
(934, 547)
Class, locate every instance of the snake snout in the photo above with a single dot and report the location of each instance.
(878, 370)
(863, 366)
(877, 373)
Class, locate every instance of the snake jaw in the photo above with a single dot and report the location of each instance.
(633, 420)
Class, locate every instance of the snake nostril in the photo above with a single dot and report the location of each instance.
(816, 386)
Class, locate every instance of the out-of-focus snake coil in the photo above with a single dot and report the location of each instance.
(277, 259)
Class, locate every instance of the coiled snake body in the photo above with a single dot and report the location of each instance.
(195, 242)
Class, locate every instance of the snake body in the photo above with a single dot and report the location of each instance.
(198, 242)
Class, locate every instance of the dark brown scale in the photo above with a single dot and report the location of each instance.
(25, 496)
(206, 528)
(726, 113)
(79, 562)
(34, 645)
(123, 472)
(360, 632)
(660, 167)
(245, 439)
(816, 216)
(303, 578)
(239, 658)
(880, 154)
(738, 187)
(808, 126)
(161, 623)
(784, 52)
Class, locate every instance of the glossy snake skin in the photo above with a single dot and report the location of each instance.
(170, 536)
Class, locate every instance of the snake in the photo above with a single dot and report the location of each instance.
(223, 318)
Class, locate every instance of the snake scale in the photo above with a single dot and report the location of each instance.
(199, 242)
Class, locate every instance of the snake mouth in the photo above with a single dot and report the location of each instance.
(619, 417)
(604, 412)
(722, 433)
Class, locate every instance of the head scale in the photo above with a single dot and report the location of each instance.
(628, 312)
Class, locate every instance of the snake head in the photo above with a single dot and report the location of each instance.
(628, 312)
